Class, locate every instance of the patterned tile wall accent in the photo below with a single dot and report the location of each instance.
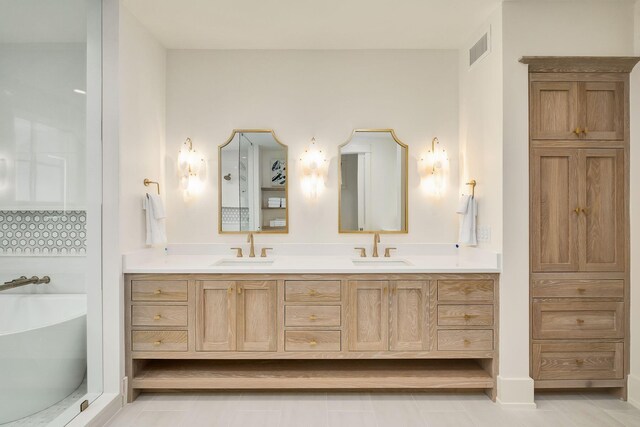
(43, 233)
(233, 215)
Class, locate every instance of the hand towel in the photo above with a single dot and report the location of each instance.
(468, 208)
(155, 216)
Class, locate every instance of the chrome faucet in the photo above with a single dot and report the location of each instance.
(376, 240)
(23, 281)
(252, 251)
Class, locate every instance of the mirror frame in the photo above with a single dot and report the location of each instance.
(286, 183)
(405, 229)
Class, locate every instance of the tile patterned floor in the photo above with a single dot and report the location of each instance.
(370, 410)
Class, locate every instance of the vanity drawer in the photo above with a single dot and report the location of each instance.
(158, 315)
(577, 288)
(476, 339)
(465, 315)
(159, 290)
(312, 291)
(312, 340)
(465, 290)
(159, 341)
(561, 320)
(312, 315)
(578, 361)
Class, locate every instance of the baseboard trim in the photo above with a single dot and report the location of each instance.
(516, 393)
(633, 390)
(99, 412)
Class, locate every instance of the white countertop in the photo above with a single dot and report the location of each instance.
(312, 260)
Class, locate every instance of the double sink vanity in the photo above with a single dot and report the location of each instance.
(312, 316)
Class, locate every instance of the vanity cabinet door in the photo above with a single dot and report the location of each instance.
(554, 110)
(602, 110)
(368, 315)
(256, 315)
(215, 316)
(409, 316)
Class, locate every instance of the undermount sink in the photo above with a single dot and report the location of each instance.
(234, 262)
(385, 262)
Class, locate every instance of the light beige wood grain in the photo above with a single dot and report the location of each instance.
(216, 315)
(465, 315)
(257, 300)
(159, 341)
(433, 315)
(580, 64)
(455, 339)
(159, 290)
(577, 288)
(602, 110)
(369, 309)
(312, 290)
(312, 315)
(554, 110)
(555, 210)
(577, 361)
(312, 340)
(577, 77)
(566, 320)
(465, 290)
(409, 325)
(159, 315)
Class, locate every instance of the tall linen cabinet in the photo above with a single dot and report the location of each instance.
(579, 221)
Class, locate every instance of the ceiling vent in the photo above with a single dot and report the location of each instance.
(480, 49)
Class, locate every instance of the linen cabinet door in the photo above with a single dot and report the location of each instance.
(409, 316)
(602, 219)
(554, 210)
(554, 110)
(215, 316)
(602, 110)
(256, 315)
(368, 315)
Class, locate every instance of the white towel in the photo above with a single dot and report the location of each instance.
(155, 216)
(468, 208)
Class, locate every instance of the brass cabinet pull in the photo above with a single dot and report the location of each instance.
(157, 342)
(313, 342)
(468, 316)
(312, 293)
(157, 291)
(579, 321)
(577, 131)
(579, 362)
(466, 342)
(157, 317)
(585, 131)
(312, 317)
(229, 290)
(577, 211)
(581, 290)
(239, 290)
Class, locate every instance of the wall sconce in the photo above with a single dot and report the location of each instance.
(314, 165)
(192, 169)
(434, 170)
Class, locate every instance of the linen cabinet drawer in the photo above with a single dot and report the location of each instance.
(577, 361)
(475, 339)
(312, 315)
(577, 288)
(159, 341)
(158, 315)
(465, 315)
(465, 290)
(312, 341)
(312, 291)
(159, 290)
(562, 320)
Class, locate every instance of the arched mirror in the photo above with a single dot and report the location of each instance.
(252, 183)
(373, 183)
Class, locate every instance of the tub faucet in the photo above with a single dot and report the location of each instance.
(252, 251)
(376, 240)
(23, 281)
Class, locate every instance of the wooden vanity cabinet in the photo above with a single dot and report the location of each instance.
(579, 221)
(367, 331)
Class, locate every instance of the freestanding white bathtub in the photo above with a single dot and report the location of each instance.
(43, 351)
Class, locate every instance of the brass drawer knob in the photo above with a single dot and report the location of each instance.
(577, 131)
(157, 342)
(467, 317)
(313, 342)
(579, 321)
(466, 342)
(581, 290)
(157, 317)
(312, 293)
(312, 317)
(157, 291)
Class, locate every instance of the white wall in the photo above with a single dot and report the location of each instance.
(538, 28)
(142, 124)
(302, 94)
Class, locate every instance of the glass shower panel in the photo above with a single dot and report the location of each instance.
(50, 209)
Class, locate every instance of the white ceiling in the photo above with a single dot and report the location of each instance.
(312, 24)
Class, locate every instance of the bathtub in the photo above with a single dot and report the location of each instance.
(43, 351)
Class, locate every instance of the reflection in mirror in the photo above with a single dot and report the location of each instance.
(373, 183)
(252, 189)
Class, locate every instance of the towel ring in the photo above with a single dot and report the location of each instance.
(148, 182)
(472, 183)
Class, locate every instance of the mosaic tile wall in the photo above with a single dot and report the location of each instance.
(43, 233)
(235, 215)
